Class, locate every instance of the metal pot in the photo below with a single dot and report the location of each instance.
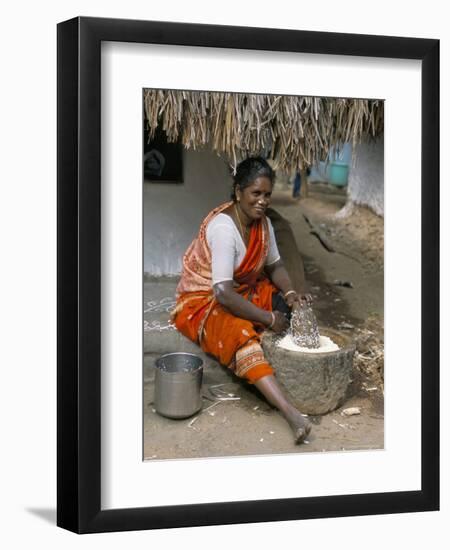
(178, 381)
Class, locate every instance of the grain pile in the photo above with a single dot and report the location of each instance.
(326, 345)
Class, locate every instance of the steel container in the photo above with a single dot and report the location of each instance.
(178, 381)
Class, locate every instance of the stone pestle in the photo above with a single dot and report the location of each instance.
(304, 329)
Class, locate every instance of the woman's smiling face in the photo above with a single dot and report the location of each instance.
(255, 198)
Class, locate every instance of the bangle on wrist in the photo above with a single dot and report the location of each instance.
(286, 294)
(273, 319)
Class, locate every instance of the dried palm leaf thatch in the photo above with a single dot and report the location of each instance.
(293, 131)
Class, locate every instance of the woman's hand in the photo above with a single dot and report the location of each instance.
(292, 299)
(305, 298)
(280, 323)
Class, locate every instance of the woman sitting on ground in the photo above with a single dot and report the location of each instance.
(234, 286)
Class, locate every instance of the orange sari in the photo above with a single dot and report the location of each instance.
(235, 342)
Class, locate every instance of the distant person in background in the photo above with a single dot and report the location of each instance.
(298, 183)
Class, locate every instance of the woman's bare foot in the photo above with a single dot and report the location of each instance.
(269, 387)
(299, 425)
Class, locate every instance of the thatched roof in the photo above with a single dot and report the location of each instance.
(293, 131)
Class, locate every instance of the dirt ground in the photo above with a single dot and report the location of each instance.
(343, 259)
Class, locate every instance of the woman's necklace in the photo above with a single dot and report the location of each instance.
(244, 235)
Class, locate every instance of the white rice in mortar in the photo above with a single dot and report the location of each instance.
(326, 345)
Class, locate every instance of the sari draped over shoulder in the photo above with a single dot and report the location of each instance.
(235, 342)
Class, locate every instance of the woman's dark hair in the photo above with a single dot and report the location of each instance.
(250, 169)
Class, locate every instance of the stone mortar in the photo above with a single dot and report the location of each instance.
(316, 382)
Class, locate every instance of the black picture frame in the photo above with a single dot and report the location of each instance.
(79, 280)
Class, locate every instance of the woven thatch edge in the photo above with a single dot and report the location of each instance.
(293, 131)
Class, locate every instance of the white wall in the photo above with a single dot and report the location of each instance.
(28, 230)
(173, 212)
(366, 176)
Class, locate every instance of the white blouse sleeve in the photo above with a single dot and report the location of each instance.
(222, 242)
(273, 255)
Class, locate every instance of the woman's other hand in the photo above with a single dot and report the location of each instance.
(280, 323)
